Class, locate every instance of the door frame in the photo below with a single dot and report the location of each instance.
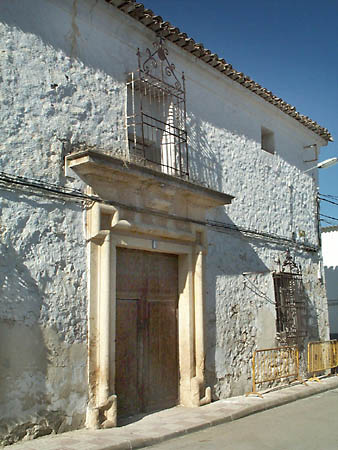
(108, 234)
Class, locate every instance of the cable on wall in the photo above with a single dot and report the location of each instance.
(73, 194)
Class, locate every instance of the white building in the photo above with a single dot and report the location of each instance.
(330, 260)
(145, 218)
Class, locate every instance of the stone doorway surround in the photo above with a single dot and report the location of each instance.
(142, 209)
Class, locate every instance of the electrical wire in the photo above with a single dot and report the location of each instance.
(328, 222)
(44, 186)
(77, 195)
(328, 201)
(253, 288)
(335, 197)
(329, 217)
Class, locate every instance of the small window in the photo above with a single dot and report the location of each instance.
(267, 140)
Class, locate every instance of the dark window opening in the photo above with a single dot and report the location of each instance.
(291, 311)
(267, 140)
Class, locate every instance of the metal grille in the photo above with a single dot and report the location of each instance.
(291, 311)
(273, 364)
(322, 356)
(156, 115)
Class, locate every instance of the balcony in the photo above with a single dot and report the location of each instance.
(156, 114)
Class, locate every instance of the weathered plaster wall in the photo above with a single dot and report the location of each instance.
(240, 310)
(47, 96)
(43, 320)
(58, 83)
(272, 195)
(63, 73)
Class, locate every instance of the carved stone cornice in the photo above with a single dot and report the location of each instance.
(116, 180)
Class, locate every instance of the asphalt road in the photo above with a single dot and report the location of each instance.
(309, 424)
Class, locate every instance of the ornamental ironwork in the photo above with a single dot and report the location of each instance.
(291, 302)
(291, 264)
(158, 60)
(156, 113)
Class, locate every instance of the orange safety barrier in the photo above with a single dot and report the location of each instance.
(273, 364)
(321, 356)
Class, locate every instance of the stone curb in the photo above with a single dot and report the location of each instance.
(246, 411)
(222, 411)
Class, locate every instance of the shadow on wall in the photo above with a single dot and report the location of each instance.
(308, 309)
(307, 325)
(79, 31)
(70, 26)
(310, 283)
(23, 355)
(313, 333)
(231, 311)
(240, 312)
(204, 165)
(34, 359)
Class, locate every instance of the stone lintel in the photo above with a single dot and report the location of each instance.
(115, 179)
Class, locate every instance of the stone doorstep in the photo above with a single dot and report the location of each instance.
(174, 422)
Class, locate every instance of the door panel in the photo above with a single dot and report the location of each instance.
(131, 279)
(162, 274)
(146, 340)
(129, 401)
(162, 373)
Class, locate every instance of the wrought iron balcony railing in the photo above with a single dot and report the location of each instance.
(156, 114)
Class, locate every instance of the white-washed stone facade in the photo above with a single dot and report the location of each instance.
(64, 68)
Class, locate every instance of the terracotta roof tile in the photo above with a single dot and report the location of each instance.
(173, 34)
(328, 229)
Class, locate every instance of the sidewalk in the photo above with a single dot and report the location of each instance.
(174, 422)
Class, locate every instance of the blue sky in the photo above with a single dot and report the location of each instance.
(289, 47)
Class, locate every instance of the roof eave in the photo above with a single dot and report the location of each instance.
(150, 20)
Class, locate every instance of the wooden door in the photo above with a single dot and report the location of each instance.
(161, 379)
(146, 331)
(127, 357)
